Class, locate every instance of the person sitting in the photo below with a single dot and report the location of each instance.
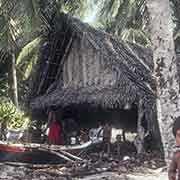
(72, 128)
(83, 135)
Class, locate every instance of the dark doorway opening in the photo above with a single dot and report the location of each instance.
(87, 116)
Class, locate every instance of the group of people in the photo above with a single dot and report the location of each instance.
(58, 133)
(103, 132)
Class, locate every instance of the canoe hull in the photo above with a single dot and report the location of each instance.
(34, 157)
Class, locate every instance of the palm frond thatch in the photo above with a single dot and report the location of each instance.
(79, 64)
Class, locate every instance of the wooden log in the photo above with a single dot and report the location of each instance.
(57, 154)
(88, 173)
(72, 156)
(51, 147)
(32, 166)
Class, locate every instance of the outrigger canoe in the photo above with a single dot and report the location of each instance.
(41, 153)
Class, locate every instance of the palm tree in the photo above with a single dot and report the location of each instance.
(8, 37)
(175, 4)
(165, 70)
(19, 21)
(22, 23)
(126, 19)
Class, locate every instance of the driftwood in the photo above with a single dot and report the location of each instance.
(88, 172)
(61, 151)
(32, 166)
(72, 156)
(57, 154)
(39, 167)
(52, 147)
(16, 164)
(58, 150)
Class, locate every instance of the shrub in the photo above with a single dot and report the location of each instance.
(14, 117)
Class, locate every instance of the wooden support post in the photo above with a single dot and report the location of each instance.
(140, 130)
(118, 140)
(124, 135)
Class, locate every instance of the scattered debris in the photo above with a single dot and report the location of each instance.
(86, 162)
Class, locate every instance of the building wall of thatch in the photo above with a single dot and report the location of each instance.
(84, 66)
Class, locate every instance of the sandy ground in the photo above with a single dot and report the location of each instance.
(135, 176)
(152, 176)
(146, 174)
(18, 173)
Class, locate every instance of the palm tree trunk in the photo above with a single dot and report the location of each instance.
(165, 70)
(13, 80)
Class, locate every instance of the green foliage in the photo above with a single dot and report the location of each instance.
(14, 117)
(77, 8)
(125, 18)
(136, 36)
(21, 20)
(32, 15)
(27, 57)
(3, 32)
(175, 5)
(27, 50)
(19, 23)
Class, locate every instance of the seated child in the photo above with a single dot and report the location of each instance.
(174, 168)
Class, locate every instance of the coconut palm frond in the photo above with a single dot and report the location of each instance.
(108, 7)
(175, 5)
(27, 50)
(124, 18)
(31, 7)
(29, 66)
(77, 8)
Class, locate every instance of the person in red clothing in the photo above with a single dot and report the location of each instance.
(55, 130)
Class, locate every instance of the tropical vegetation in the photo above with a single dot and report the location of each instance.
(23, 22)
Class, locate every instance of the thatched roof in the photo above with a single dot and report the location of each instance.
(79, 64)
